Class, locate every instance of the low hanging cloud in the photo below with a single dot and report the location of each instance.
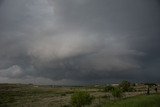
(79, 41)
(12, 72)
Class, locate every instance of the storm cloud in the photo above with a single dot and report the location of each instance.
(79, 41)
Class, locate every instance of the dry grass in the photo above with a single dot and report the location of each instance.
(18, 95)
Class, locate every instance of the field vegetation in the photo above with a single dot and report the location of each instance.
(122, 95)
(138, 101)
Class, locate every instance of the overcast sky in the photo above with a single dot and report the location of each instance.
(79, 41)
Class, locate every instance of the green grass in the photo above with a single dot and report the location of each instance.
(139, 101)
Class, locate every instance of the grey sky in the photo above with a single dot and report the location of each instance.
(79, 41)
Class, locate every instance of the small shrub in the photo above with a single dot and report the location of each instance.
(117, 92)
(81, 98)
(131, 89)
(63, 94)
(66, 106)
(125, 85)
(108, 88)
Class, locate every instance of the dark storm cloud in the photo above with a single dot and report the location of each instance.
(79, 41)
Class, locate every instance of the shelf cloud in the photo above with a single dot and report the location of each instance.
(79, 41)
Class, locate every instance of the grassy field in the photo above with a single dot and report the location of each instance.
(21, 95)
(138, 101)
(12, 95)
